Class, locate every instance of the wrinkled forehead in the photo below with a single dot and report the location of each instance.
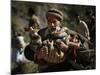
(52, 18)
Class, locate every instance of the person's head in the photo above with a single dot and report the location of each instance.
(34, 22)
(54, 18)
(17, 34)
(77, 18)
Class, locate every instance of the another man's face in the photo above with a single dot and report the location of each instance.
(53, 23)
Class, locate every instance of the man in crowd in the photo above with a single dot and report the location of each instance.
(58, 36)
(81, 27)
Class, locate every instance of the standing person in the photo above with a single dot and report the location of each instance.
(92, 26)
(34, 23)
(20, 41)
(33, 19)
(20, 44)
(58, 36)
(81, 27)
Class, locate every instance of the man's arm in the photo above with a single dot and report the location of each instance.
(87, 30)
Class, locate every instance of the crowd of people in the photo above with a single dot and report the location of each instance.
(56, 46)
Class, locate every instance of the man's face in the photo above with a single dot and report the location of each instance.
(53, 23)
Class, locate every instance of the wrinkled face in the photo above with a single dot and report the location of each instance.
(53, 23)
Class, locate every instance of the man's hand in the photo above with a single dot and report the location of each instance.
(43, 52)
(61, 45)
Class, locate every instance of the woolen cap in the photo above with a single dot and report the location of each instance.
(55, 12)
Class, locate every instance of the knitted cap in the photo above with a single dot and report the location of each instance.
(55, 12)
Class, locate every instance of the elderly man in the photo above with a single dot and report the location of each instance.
(58, 41)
